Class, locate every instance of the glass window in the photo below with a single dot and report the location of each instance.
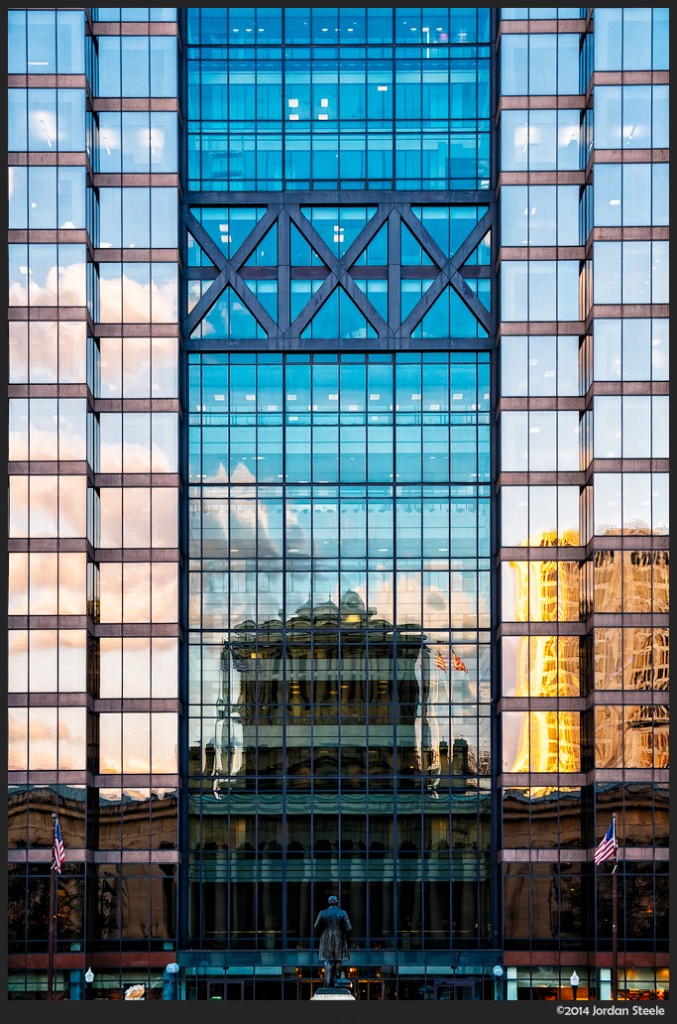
(630, 272)
(138, 292)
(137, 66)
(539, 215)
(47, 275)
(46, 42)
(538, 64)
(631, 117)
(623, 38)
(540, 140)
(47, 197)
(539, 290)
(634, 349)
(137, 142)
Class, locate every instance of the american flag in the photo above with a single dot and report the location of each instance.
(457, 663)
(607, 848)
(59, 850)
(441, 663)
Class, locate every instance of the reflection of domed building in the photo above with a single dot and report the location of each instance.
(287, 685)
(337, 709)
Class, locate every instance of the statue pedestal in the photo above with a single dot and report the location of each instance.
(340, 992)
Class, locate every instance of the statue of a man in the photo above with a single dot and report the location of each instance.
(334, 928)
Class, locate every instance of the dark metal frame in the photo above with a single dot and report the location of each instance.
(284, 209)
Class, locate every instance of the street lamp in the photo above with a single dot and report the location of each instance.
(89, 978)
(172, 970)
(497, 972)
(574, 979)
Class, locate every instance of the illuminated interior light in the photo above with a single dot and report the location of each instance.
(324, 102)
(614, 202)
(293, 117)
(293, 103)
(374, 398)
(323, 117)
(46, 134)
(250, 398)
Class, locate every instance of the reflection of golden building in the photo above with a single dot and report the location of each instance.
(632, 581)
(632, 658)
(632, 736)
(548, 666)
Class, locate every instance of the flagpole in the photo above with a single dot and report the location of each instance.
(614, 920)
(52, 915)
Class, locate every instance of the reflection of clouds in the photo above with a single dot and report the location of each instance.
(297, 538)
(66, 440)
(35, 738)
(136, 458)
(52, 499)
(17, 725)
(122, 298)
(64, 286)
(220, 476)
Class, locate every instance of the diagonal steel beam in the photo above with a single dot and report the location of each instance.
(242, 254)
(365, 307)
(449, 272)
(228, 269)
(206, 302)
(242, 289)
(312, 307)
(423, 236)
(338, 268)
(315, 240)
(204, 240)
(466, 247)
(472, 301)
(423, 305)
(368, 232)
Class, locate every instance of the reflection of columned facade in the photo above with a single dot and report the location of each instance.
(338, 518)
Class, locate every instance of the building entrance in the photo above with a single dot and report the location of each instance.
(455, 990)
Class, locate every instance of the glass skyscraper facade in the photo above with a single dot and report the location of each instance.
(323, 324)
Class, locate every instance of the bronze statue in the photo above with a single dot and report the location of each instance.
(333, 927)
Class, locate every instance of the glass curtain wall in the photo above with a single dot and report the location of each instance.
(338, 333)
(93, 496)
(583, 384)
